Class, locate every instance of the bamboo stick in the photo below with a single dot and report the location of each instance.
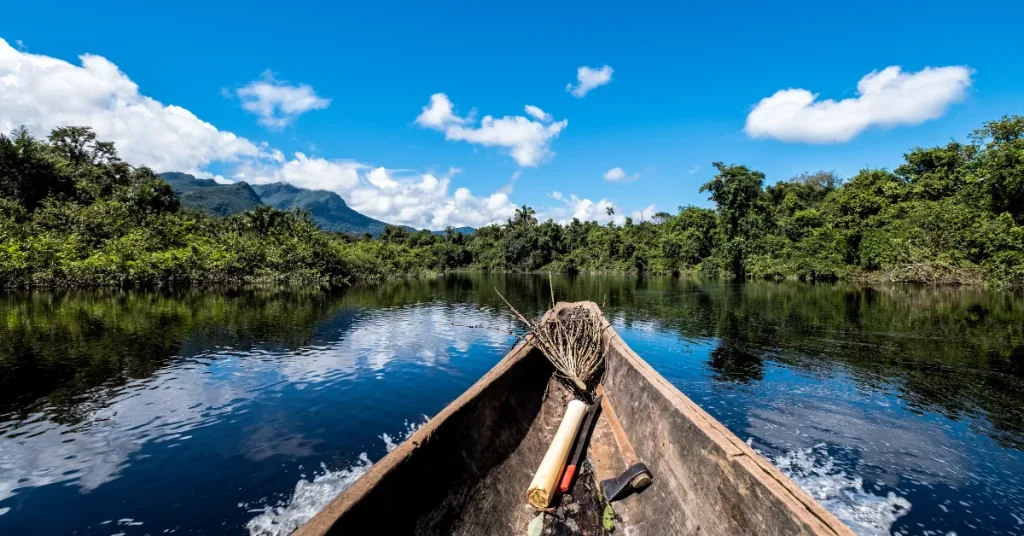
(542, 488)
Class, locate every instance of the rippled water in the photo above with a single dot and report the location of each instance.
(900, 409)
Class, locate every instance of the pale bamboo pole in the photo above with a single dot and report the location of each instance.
(542, 488)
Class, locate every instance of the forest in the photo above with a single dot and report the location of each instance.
(73, 214)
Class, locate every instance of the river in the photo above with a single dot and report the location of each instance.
(901, 409)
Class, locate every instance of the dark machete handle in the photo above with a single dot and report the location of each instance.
(581, 445)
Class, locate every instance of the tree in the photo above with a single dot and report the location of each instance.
(395, 234)
(78, 146)
(661, 217)
(28, 172)
(802, 191)
(936, 172)
(1000, 164)
(736, 192)
(525, 215)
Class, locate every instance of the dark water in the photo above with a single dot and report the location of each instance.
(900, 409)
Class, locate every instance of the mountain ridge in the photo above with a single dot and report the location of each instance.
(330, 211)
(326, 207)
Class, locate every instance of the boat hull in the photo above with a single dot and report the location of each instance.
(467, 470)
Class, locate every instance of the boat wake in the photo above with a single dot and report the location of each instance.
(310, 496)
(814, 470)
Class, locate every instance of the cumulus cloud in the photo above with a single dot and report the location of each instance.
(278, 103)
(617, 174)
(43, 93)
(585, 209)
(526, 140)
(439, 114)
(885, 98)
(421, 200)
(643, 214)
(537, 113)
(588, 78)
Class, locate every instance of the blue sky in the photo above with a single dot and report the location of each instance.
(685, 79)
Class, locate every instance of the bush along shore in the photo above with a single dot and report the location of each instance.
(72, 214)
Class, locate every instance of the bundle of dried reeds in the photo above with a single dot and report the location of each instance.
(571, 340)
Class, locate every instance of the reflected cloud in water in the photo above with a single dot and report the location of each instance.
(206, 390)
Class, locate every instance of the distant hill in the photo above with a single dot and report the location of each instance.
(463, 230)
(328, 208)
(207, 195)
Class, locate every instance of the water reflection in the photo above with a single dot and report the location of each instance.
(192, 411)
(221, 390)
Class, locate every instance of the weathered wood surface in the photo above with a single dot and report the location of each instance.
(467, 470)
(706, 480)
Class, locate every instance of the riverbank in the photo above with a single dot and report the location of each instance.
(72, 215)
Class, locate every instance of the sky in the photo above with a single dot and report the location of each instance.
(452, 114)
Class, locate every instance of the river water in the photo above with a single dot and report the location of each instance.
(901, 409)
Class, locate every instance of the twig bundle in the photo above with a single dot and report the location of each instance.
(571, 340)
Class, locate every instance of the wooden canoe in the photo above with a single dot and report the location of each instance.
(466, 471)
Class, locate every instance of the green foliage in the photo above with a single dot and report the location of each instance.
(742, 213)
(327, 208)
(608, 518)
(209, 196)
(72, 214)
(999, 165)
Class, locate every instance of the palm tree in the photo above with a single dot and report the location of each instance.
(525, 215)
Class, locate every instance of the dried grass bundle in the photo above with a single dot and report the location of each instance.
(571, 340)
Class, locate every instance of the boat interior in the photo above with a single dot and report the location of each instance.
(467, 470)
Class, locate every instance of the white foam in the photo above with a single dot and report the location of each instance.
(865, 513)
(310, 496)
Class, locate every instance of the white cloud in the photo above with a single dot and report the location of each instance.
(380, 178)
(582, 209)
(305, 172)
(439, 113)
(537, 113)
(421, 200)
(510, 186)
(43, 93)
(133, 418)
(617, 174)
(277, 103)
(527, 140)
(693, 170)
(885, 98)
(587, 79)
(20, 44)
(643, 214)
(585, 209)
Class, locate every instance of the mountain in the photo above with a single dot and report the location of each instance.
(463, 230)
(328, 208)
(210, 196)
